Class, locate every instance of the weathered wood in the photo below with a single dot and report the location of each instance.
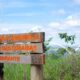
(36, 72)
(1, 70)
(24, 37)
(22, 48)
(38, 58)
(24, 59)
(11, 43)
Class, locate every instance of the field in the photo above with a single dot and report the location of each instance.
(64, 68)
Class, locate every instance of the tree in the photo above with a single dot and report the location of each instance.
(47, 47)
(46, 44)
(69, 39)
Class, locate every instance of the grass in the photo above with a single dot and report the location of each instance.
(66, 68)
(16, 72)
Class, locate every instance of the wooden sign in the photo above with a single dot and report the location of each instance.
(38, 58)
(22, 48)
(25, 37)
(16, 44)
(29, 59)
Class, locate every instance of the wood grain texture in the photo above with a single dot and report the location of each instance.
(22, 48)
(37, 72)
(38, 58)
(24, 59)
(24, 37)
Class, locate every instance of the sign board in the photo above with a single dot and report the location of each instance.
(25, 37)
(29, 59)
(21, 48)
(17, 43)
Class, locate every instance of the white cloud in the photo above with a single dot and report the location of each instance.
(54, 24)
(71, 21)
(67, 23)
(4, 30)
(37, 28)
(76, 2)
(7, 28)
(51, 30)
(19, 28)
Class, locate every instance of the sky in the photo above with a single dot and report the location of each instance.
(49, 16)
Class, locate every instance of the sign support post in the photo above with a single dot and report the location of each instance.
(36, 72)
(1, 70)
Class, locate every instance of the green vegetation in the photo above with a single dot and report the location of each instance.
(57, 66)
(64, 68)
(68, 38)
(46, 44)
(16, 72)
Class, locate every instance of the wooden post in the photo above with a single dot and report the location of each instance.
(36, 72)
(1, 70)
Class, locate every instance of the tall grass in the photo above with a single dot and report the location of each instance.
(16, 72)
(65, 68)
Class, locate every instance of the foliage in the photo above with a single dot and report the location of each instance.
(69, 39)
(71, 49)
(46, 44)
(65, 68)
(61, 51)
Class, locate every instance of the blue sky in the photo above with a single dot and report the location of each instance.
(50, 16)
